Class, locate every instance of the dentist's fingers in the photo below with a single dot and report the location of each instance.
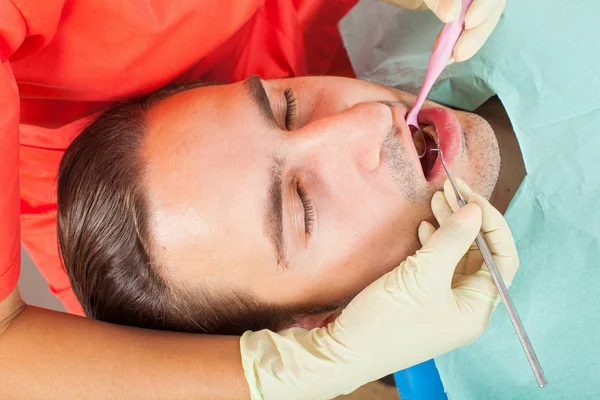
(479, 285)
(474, 262)
(463, 188)
(498, 238)
(474, 257)
(426, 230)
(471, 40)
(480, 20)
(446, 10)
(480, 10)
(446, 247)
(442, 212)
(440, 207)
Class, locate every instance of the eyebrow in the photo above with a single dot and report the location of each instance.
(273, 219)
(258, 94)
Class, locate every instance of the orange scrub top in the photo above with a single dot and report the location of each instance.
(65, 60)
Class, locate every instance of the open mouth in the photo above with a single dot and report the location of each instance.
(424, 143)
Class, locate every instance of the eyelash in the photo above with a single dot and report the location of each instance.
(290, 110)
(309, 211)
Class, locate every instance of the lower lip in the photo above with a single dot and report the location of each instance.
(449, 138)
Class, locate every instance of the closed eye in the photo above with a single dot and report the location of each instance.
(309, 212)
(290, 110)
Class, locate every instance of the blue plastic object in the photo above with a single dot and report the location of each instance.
(421, 382)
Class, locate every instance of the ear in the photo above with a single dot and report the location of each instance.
(309, 322)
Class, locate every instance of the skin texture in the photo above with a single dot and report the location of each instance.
(106, 361)
(211, 153)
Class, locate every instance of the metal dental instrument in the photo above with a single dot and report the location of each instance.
(502, 290)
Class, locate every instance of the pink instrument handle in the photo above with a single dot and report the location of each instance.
(439, 59)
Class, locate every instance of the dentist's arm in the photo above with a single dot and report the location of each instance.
(50, 355)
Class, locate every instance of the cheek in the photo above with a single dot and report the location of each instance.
(480, 162)
(367, 245)
(392, 237)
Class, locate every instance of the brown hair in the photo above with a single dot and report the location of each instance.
(107, 248)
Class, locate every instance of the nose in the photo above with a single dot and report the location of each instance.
(351, 139)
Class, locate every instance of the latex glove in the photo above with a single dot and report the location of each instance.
(481, 19)
(419, 310)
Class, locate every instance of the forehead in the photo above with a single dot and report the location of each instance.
(208, 153)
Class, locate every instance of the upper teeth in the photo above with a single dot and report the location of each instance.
(431, 131)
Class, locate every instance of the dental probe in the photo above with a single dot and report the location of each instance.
(502, 290)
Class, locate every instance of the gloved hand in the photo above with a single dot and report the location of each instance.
(421, 309)
(481, 19)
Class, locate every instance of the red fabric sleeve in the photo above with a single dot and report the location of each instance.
(9, 182)
(25, 27)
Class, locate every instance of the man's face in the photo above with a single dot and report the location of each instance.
(298, 191)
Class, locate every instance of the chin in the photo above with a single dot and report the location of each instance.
(482, 154)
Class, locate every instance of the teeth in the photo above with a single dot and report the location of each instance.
(419, 142)
(430, 130)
